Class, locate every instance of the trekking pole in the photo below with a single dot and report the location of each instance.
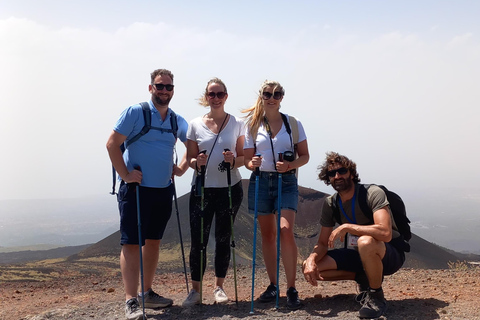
(229, 182)
(180, 233)
(139, 225)
(202, 206)
(257, 175)
(279, 214)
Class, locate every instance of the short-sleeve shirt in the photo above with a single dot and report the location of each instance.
(376, 199)
(153, 152)
(227, 139)
(281, 142)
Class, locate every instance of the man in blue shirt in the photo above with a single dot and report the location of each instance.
(152, 154)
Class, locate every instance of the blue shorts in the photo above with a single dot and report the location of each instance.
(349, 259)
(268, 193)
(155, 211)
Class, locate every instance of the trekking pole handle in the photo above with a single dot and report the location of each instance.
(228, 166)
(257, 169)
(202, 168)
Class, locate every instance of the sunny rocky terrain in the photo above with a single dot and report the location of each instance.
(79, 292)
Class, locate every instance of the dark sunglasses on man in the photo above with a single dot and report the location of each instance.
(277, 95)
(333, 173)
(160, 86)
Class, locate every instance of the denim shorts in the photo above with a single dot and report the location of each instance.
(155, 211)
(268, 193)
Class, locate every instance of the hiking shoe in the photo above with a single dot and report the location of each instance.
(270, 294)
(362, 287)
(132, 310)
(154, 301)
(293, 303)
(374, 306)
(193, 298)
(220, 295)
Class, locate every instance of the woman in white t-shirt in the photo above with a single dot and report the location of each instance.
(221, 136)
(266, 137)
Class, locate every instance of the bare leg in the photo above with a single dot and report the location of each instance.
(130, 267)
(269, 245)
(288, 246)
(372, 252)
(150, 254)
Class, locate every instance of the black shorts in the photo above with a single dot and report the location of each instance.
(155, 211)
(349, 259)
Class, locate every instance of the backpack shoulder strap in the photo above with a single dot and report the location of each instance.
(147, 117)
(362, 200)
(287, 125)
(294, 127)
(336, 209)
(174, 123)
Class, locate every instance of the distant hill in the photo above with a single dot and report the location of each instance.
(424, 254)
(35, 255)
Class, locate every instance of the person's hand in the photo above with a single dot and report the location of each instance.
(282, 166)
(201, 160)
(134, 176)
(339, 233)
(256, 162)
(310, 271)
(177, 171)
(229, 157)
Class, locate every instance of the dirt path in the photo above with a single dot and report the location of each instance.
(411, 294)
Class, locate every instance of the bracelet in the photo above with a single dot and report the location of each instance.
(196, 166)
(233, 165)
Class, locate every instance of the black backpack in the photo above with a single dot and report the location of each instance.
(147, 117)
(396, 206)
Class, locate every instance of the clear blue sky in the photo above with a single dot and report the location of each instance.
(391, 84)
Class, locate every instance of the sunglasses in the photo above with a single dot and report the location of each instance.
(160, 86)
(277, 95)
(333, 173)
(219, 95)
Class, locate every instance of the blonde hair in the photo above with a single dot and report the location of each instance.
(203, 100)
(256, 113)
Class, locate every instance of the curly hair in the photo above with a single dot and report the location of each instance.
(161, 72)
(203, 100)
(331, 159)
(255, 114)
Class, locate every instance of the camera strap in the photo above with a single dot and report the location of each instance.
(269, 130)
(215, 142)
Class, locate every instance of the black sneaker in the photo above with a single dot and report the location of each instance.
(270, 294)
(362, 286)
(374, 306)
(293, 303)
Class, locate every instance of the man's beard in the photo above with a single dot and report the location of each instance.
(162, 102)
(342, 184)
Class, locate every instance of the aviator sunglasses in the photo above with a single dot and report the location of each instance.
(160, 86)
(219, 95)
(333, 173)
(277, 95)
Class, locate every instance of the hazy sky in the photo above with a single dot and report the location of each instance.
(394, 85)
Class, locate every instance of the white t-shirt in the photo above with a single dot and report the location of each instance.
(227, 139)
(281, 143)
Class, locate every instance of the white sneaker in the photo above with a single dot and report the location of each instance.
(220, 295)
(193, 298)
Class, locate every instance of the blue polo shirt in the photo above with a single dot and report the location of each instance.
(153, 152)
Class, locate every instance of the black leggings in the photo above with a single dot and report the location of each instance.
(216, 203)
